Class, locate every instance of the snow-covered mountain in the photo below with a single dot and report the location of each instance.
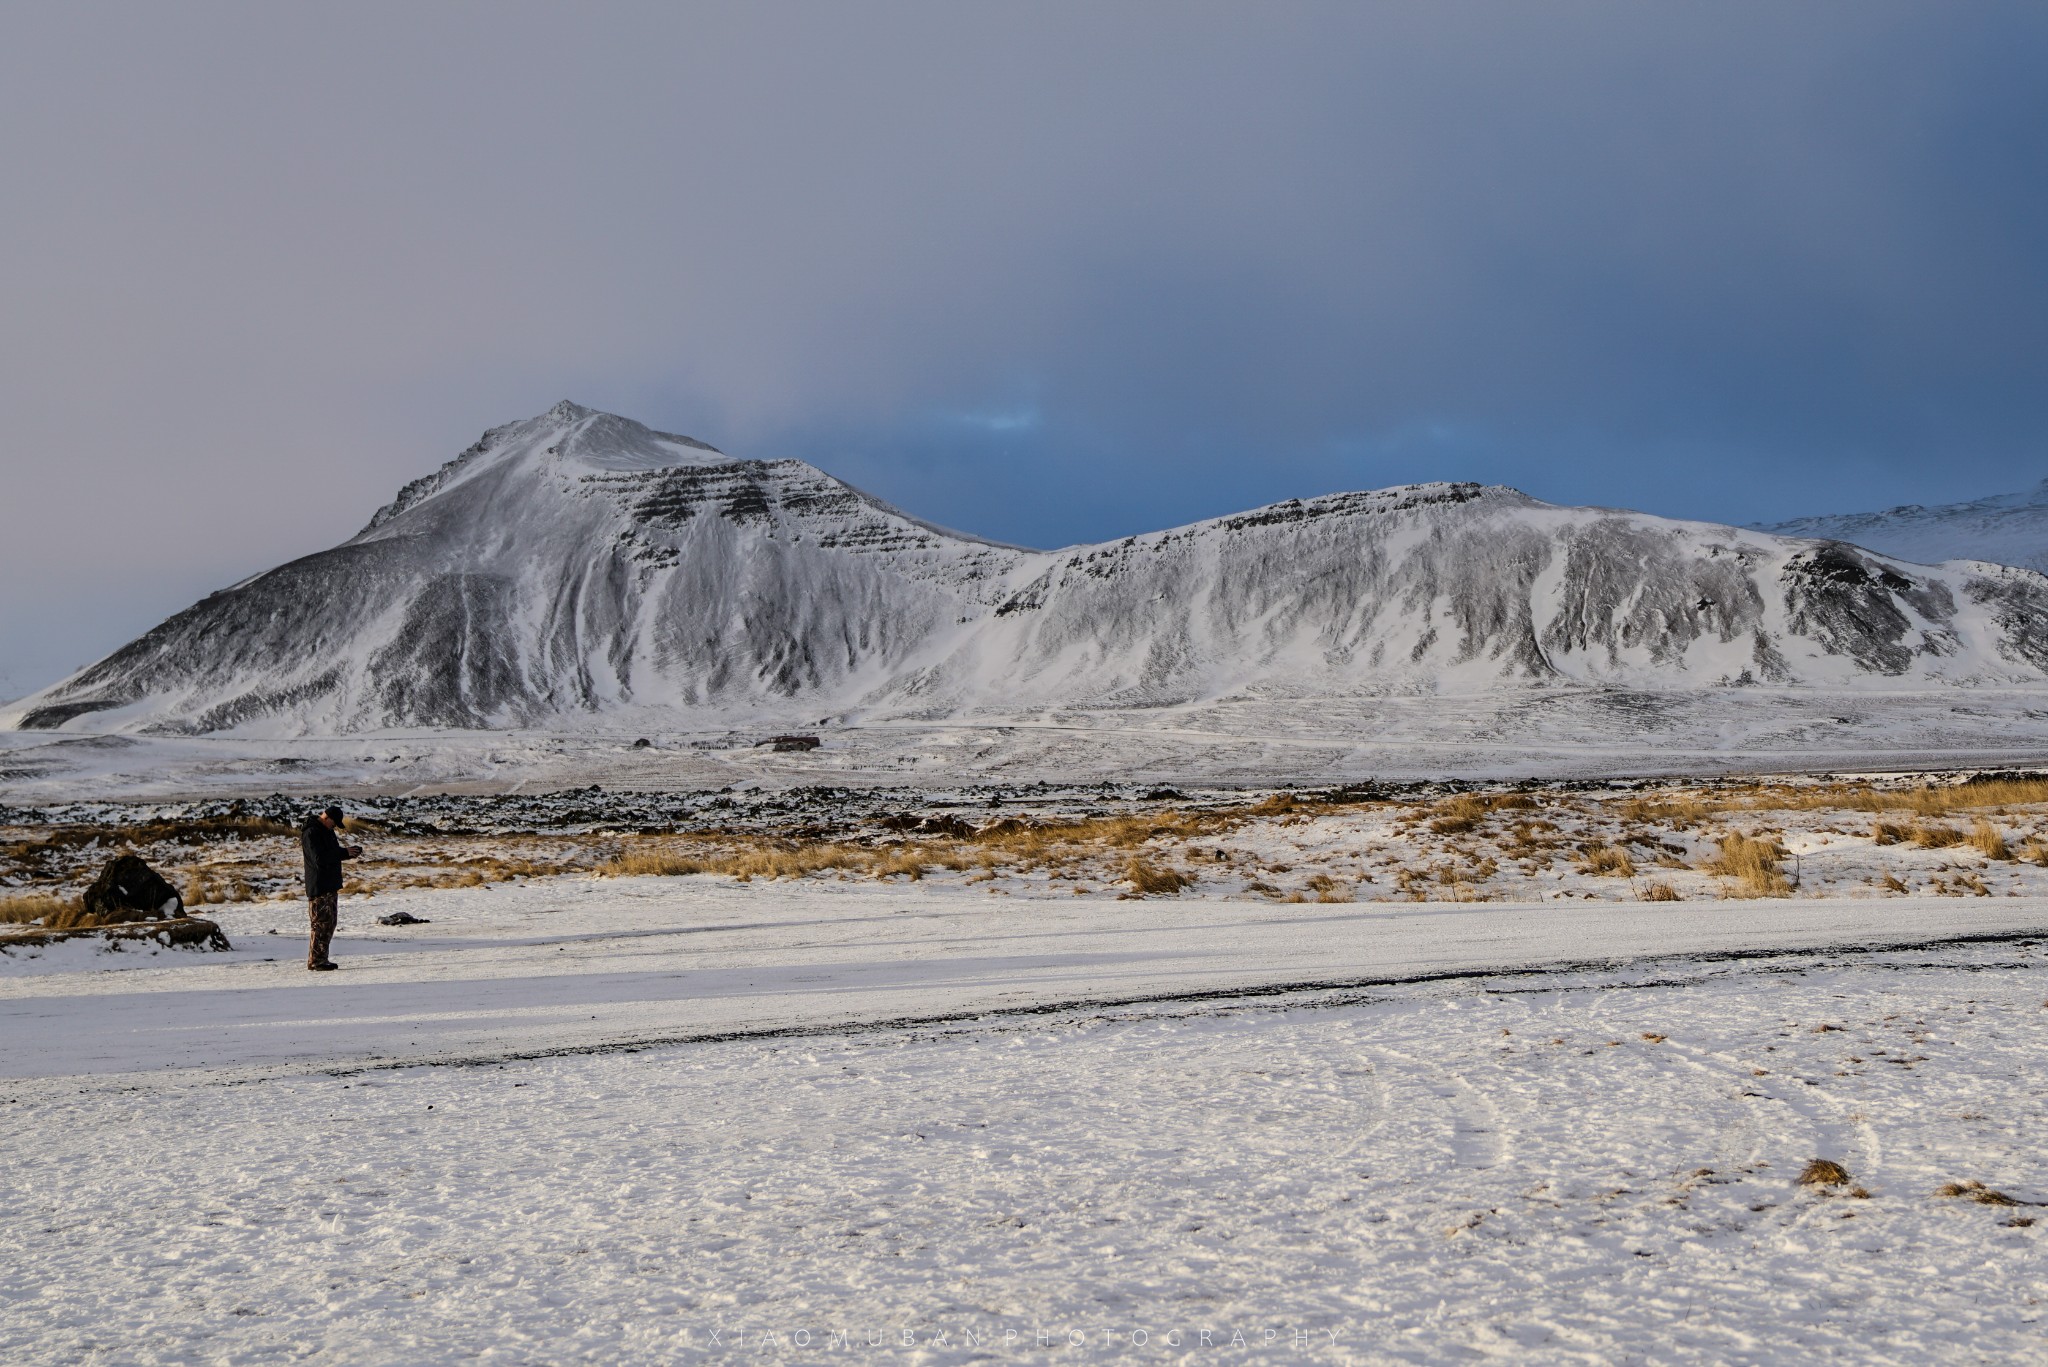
(579, 564)
(2007, 529)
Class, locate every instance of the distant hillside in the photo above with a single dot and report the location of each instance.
(2007, 529)
(578, 564)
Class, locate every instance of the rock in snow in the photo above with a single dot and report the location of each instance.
(579, 563)
(130, 890)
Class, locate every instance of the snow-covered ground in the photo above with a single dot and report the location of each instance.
(1556, 733)
(581, 1120)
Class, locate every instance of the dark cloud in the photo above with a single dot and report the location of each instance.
(1043, 272)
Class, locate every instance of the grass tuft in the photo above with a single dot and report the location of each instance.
(1155, 880)
(1753, 864)
(1987, 841)
(1611, 860)
(1976, 1191)
(1824, 1172)
(1661, 892)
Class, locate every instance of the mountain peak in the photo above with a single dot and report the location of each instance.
(567, 434)
(578, 563)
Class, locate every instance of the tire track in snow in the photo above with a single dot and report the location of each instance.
(1472, 1121)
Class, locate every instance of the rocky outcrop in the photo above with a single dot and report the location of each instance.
(129, 890)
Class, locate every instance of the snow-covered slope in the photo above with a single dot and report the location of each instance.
(579, 564)
(2008, 529)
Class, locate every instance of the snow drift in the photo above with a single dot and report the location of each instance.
(579, 564)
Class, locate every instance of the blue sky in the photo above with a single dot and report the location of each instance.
(1047, 272)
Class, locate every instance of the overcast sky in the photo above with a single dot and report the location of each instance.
(1044, 272)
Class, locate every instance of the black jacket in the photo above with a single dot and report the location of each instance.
(323, 858)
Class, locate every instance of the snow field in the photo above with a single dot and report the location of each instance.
(1253, 737)
(1594, 1168)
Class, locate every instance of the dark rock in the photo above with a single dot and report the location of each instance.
(643, 744)
(130, 890)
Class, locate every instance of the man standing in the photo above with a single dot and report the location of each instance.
(323, 854)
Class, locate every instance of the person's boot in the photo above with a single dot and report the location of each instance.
(324, 966)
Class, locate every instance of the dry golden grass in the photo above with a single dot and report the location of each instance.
(1038, 840)
(2035, 851)
(1661, 892)
(1679, 813)
(1824, 1172)
(1892, 883)
(1328, 889)
(1062, 848)
(1924, 801)
(1937, 837)
(71, 916)
(1978, 1192)
(1987, 841)
(767, 858)
(652, 861)
(1753, 864)
(1608, 860)
(1465, 812)
(437, 870)
(212, 884)
(60, 914)
(31, 908)
(1457, 815)
(1890, 833)
(1154, 880)
(1532, 831)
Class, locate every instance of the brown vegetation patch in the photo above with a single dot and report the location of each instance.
(1824, 1172)
(1753, 863)
(1155, 880)
(1926, 800)
(1328, 889)
(1679, 813)
(1987, 840)
(30, 908)
(1608, 860)
(1978, 1192)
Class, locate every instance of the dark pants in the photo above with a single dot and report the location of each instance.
(321, 914)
